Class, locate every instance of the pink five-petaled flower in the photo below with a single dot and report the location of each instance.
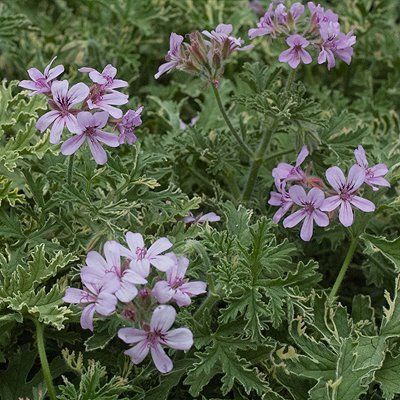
(281, 199)
(346, 190)
(174, 55)
(156, 335)
(106, 78)
(310, 211)
(296, 53)
(373, 175)
(295, 12)
(95, 298)
(62, 114)
(126, 127)
(288, 172)
(88, 128)
(335, 43)
(201, 219)
(120, 279)
(142, 257)
(319, 15)
(265, 26)
(41, 82)
(177, 287)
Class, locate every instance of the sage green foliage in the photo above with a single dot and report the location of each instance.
(266, 329)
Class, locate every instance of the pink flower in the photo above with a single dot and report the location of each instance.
(310, 211)
(120, 279)
(106, 78)
(373, 175)
(201, 219)
(265, 26)
(142, 257)
(41, 82)
(319, 15)
(346, 190)
(94, 298)
(62, 114)
(335, 43)
(288, 172)
(296, 53)
(295, 12)
(280, 199)
(174, 55)
(99, 98)
(89, 127)
(176, 287)
(153, 337)
(127, 126)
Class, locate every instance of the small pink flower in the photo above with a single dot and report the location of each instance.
(126, 127)
(288, 172)
(281, 199)
(201, 219)
(89, 128)
(62, 114)
(177, 287)
(174, 55)
(310, 211)
(296, 52)
(373, 175)
(346, 197)
(41, 82)
(95, 298)
(142, 257)
(266, 25)
(153, 337)
(106, 78)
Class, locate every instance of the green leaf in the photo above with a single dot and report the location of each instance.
(388, 248)
(388, 377)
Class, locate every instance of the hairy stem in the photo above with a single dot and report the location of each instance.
(257, 161)
(43, 360)
(239, 139)
(289, 82)
(342, 272)
(70, 169)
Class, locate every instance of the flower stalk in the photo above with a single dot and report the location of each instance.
(345, 266)
(70, 169)
(43, 360)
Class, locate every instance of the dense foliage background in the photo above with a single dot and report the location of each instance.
(266, 330)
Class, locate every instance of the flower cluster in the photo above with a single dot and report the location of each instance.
(318, 28)
(313, 205)
(111, 285)
(205, 53)
(84, 110)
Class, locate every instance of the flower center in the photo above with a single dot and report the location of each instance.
(140, 253)
(178, 282)
(309, 208)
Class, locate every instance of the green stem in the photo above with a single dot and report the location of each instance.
(70, 169)
(43, 360)
(242, 144)
(257, 161)
(342, 272)
(210, 300)
(289, 82)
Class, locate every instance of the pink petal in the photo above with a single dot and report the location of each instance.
(360, 156)
(336, 178)
(181, 298)
(71, 145)
(379, 170)
(179, 339)
(127, 292)
(162, 263)
(54, 72)
(134, 277)
(162, 319)
(74, 296)
(46, 120)
(134, 240)
(302, 156)
(139, 352)
(110, 71)
(59, 90)
(162, 292)
(159, 246)
(85, 119)
(210, 217)
(108, 138)
(56, 130)
(362, 204)
(320, 218)
(97, 77)
(298, 195)
(293, 219)
(77, 93)
(356, 178)
(163, 68)
(307, 228)
(115, 98)
(305, 56)
(87, 317)
(182, 264)
(162, 362)
(282, 211)
(96, 260)
(331, 203)
(35, 74)
(275, 199)
(346, 214)
(106, 303)
(194, 288)
(98, 153)
(141, 267)
(100, 119)
(316, 197)
(379, 181)
(112, 254)
(72, 124)
(282, 171)
(132, 335)
(92, 275)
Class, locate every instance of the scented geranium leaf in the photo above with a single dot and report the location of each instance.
(370, 352)
(8, 194)
(237, 219)
(389, 248)
(388, 377)
(390, 326)
(95, 385)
